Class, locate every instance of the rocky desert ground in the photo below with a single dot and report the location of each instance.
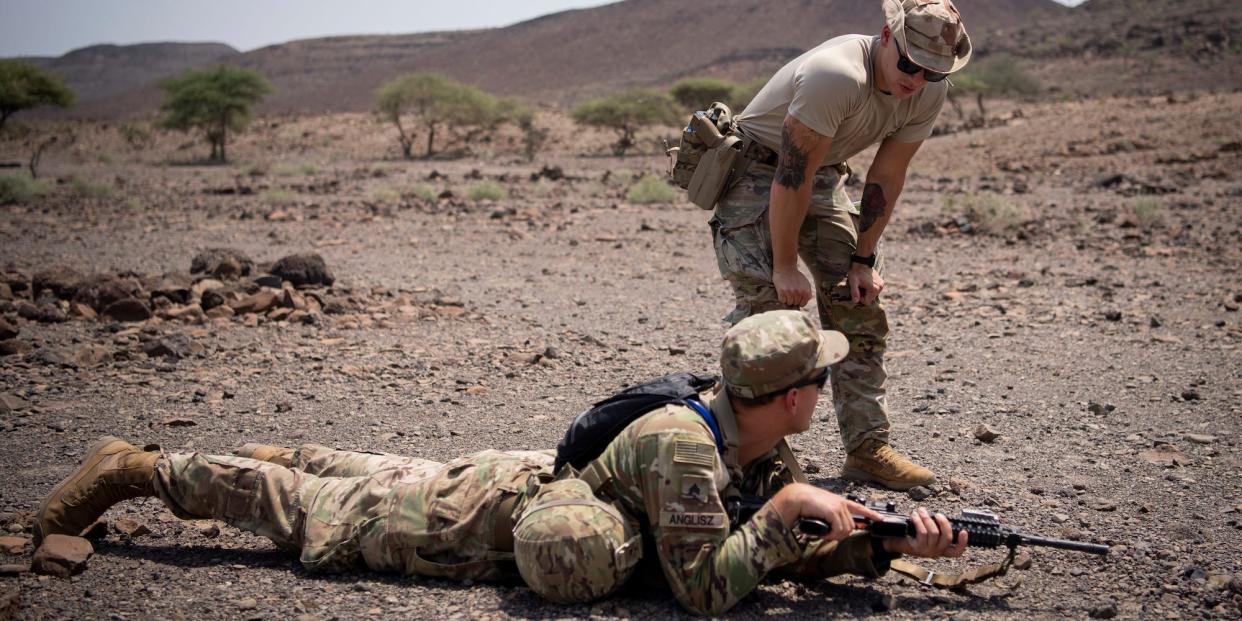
(1063, 286)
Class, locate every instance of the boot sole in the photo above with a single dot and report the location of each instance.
(856, 474)
(88, 461)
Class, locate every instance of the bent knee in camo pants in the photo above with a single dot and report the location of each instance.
(828, 236)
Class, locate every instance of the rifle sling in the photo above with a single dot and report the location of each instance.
(790, 462)
(928, 577)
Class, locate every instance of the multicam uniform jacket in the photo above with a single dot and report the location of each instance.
(665, 471)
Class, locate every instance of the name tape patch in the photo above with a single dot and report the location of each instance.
(676, 519)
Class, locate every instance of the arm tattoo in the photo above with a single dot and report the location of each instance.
(791, 168)
(873, 206)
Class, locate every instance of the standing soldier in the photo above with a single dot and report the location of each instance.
(818, 111)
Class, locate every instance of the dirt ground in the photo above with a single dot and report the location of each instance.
(1068, 277)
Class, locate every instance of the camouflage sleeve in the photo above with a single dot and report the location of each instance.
(823, 559)
(708, 567)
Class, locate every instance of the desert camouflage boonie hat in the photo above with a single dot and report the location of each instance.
(571, 547)
(930, 32)
(772, 351)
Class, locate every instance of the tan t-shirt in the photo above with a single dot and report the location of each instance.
(832, 90)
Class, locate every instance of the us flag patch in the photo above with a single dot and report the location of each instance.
(698, 453)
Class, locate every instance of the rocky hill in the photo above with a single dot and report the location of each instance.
(1103, 47)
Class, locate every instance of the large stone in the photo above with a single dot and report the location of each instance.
(101, 290)
(985, 433)
(212, 298)
(260, 302)
(92, 355)
(62, 556)
(14, 347)
(14, 545)
(62, 281)
(7, 330)
(17, 280)
(205, 285)
(303, 269)
(191, 313)
(129, 309)
(173, 346)
(175, 286)
(225, 263)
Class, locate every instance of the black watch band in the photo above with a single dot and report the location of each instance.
(869, 261)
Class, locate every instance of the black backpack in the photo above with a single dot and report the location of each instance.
(594, 429)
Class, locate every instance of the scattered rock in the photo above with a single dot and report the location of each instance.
(101, 290)
(12, 403)
(7, 330)
(247, 603)
(1102, 504)
(958, 485)
(179, 422)
(14, 347)
(129, 309)
(174, 286)
(62, 281)
(1190, 395)
(1200, 438)
(61, 556)
(985, 433)
(92, 355)
(12, 569)
(10, 602)
(52, 357)
(96, 531)
(13, 545)
(303, 269)
(260, 302)
(212, 298)
(1103, 611)
(1112, 315)
(1100, 409)
(225, 263)
(203, 286)
(885, 603)
(131, 528)
(1022, 561)
(211, 531)
(919, 493)
(173, 346)
(1164, 455)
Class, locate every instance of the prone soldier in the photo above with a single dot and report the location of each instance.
(656, 494)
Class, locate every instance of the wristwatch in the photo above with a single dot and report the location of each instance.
(869, 261)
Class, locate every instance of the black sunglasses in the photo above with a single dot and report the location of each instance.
(819, 380)
(908, 67)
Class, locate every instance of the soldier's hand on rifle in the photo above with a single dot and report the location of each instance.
(864, 283)
(792, 287)
(933, 537)
(800, 500)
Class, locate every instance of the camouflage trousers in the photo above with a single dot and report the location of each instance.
(342, 510)
(828, 237)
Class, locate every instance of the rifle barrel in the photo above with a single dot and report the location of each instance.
(1076, 546)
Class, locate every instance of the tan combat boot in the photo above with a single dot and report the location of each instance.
(279, 455)
(876, 461)
(112, 471)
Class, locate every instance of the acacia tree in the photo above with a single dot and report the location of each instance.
(699, 93)
(998, 75)
(438, 102)
(24, 86)
(626, 113)
(216, 101)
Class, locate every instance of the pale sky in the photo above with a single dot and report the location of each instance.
(53, 27)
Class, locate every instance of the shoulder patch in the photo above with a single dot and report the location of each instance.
(695, 487)
(699, 453)
(681, 519)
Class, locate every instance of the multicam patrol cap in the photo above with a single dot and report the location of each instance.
(572, 547)
(930, 32)
(772, 351)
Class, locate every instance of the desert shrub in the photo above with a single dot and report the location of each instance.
(292, 170)
(628, 112)
(990, 214)
(136, 135)
(425, 192)
(438, 102)
(87, 188)
(256, 169)
(24, 86)
(103, 157)
(651, 189)
(386, 195)
(486, 191)
(18, 187)
(216, 101)
(698, 93)
(278, 197)
(995, 75)
(1148, 213)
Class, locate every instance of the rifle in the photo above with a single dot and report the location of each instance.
(983, 527)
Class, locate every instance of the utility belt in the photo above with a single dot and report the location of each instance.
(713, 155)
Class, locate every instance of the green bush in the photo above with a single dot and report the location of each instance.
(1148, 213)
(136, 135)
(278, 197)
(628, 112)
(87, 188)
(651, 189)
(997, 74)
(486, 191)
(17, 187)
(425, 193)
(990, 214)
(699, 93)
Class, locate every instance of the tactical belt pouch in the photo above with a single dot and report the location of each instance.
(716, 167)
(710, 154)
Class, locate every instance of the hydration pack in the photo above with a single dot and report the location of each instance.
(594, 429)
